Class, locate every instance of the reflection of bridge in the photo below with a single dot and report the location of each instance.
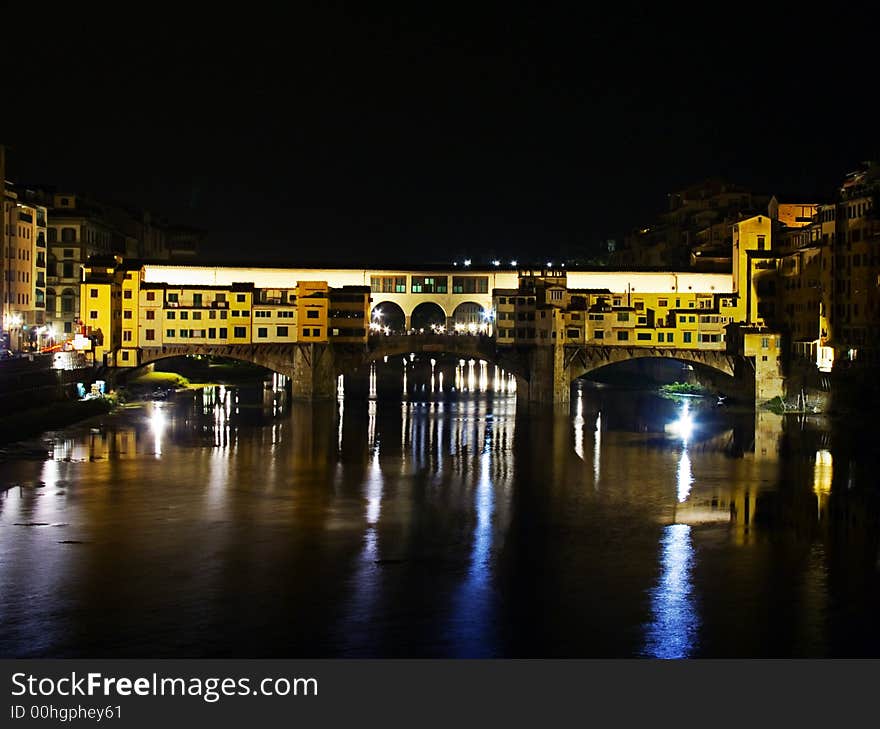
(545, 373)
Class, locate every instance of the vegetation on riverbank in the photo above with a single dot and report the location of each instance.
(28, 423)
(683, 388)
(159, 379)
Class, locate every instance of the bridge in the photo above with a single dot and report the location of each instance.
(544, 374)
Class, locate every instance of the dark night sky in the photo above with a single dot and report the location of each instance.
(351, 134)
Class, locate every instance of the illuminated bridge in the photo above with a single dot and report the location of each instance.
(543, 374)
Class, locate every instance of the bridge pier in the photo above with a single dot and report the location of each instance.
(548, 378)
(313, 376)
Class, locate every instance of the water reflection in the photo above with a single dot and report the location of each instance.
(449, 524)
(673, 630)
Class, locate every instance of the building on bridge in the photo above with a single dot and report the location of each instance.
(122, 314)
(540, 325)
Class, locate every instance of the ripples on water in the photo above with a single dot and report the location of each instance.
(233, 524)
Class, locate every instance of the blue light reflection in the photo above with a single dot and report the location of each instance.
(673, 631)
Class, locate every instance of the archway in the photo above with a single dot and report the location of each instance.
(469, 317)
(388, 318)
(428, 317)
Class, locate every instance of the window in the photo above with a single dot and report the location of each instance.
(644, 336)
(686, 337)
(421, 284)
(151, 295)
(239, 332)
(660, 336)
(622, 316)
(53, 235)
(170, 315)
(184, 315)
(573, 333)
(173, 298)
(126, 335)
(150, 334)
(125, 356)
(184, 333)
(240, 298)
(599, 334)
(126, 314)
(622, 336)
(663, 302)
(93, 293)
(470, 284)
(280, 331)
(220, 298)
(316, 332)
(68, 235)
(126, 294)
(388, 284)
(312, 314)
(197, 315)
(197, 299)
(262, 332)
(765, 342)
(761, 242)
(93, 315)
(67, 270)
(223, 332)
(169, 332)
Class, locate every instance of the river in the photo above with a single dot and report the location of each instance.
(231, 523)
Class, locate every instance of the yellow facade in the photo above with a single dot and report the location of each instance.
(101, 308)
(312, 305)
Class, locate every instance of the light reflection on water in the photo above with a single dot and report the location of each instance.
(674, 629)
(458, 526)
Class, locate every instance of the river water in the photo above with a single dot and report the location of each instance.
(232, 523)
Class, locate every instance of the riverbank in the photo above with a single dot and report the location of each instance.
(29, 423)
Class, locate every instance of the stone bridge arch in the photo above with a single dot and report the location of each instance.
(718, 369)
(463, 346)
(277, 358)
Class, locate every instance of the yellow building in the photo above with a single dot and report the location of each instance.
(101, 307)
(312, 306)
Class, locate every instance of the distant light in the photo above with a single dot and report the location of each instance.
(684, 426)
(513, 263)
(496, 262)
(467, 261)
(549, 264)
